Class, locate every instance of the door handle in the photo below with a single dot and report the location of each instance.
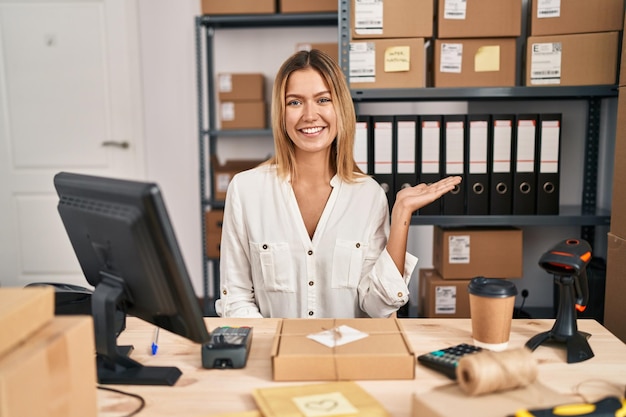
(123, 144)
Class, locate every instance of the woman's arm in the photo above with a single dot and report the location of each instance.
(237, 298)
(408, 200)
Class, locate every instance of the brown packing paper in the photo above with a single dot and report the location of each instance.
(384, 354)
(450, 400)
(333, 398)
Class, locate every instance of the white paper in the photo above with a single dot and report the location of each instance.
(338, 336)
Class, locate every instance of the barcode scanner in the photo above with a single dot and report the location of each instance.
(567, 261)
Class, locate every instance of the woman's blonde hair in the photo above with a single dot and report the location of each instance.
(342, 149)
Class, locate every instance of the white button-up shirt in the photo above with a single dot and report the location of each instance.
(270, 267)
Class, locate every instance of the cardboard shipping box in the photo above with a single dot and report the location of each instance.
(240, 86)
(23, 311)
(442, 298)
(223, 173)
(566, 60)
(387, 63)
(576, 16)
(615, 286)
(392, 19)
(219, 7)
(53, 373)
(450, 400)
(479, 19)
(331, 48)
(384, 352)
(468, 252)
(213, 233)
(484, 62)
(243, 115)
(299, 6)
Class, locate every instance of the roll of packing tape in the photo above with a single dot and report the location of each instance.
(486, 371)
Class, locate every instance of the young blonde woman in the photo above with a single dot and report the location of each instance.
(307, 234)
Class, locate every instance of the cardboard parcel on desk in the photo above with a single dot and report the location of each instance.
(358, 349)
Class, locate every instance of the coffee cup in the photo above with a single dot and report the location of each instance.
(491, 311)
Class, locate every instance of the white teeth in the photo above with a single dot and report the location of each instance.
(311, 130)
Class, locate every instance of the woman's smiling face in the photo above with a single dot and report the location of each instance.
(310, 117)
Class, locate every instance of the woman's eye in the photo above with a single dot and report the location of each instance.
(325, 100)
(293, 102)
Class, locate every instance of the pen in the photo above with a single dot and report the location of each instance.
(155, 341)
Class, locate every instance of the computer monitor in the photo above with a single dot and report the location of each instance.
(126, 246)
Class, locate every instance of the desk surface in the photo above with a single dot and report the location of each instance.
(206, 392)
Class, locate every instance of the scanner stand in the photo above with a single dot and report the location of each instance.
(565, 330)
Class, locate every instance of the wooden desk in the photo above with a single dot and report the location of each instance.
(205, 392)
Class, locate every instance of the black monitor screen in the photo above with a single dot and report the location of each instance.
(126, 246)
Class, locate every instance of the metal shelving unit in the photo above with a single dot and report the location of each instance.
(205, 27)
(587, 215)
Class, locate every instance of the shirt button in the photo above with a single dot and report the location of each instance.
(310, 252)
(264, 246)
(224, 292)
(310, 313)
(400, 295)
(311, 283)
(358, 245)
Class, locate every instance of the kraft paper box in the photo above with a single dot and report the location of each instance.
(23, 311)
(240, 86)
(480, 62)
(243, 114)
(392, 19)
(223, 173)
(219, 7)
(577, 59)
(384, 353)
(299, 6)
(388, 63)
(442, 298)
(52, 374)
(480, 19)
(213, 232)
(468, 252)
(576, 16)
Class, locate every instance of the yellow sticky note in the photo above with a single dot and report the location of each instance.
(487, 58)
(398, 59)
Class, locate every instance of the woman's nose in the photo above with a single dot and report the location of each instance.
(309, 113)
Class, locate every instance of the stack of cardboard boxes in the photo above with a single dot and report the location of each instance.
(47, 363)
(388, 43)
(476, 43)
(463, 253)
(574, 42)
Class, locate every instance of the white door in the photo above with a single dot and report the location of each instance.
(69, 101)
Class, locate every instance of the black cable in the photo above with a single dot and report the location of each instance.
(142, 402)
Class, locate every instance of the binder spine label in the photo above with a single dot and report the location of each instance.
(502, 146)
(549, 162)
(454, 148)
(430, 147)
(478, 147)
(406, 147)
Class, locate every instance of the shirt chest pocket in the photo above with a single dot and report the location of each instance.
(347, 263)
(273, 262)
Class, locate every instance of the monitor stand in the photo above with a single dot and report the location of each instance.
(113, 363)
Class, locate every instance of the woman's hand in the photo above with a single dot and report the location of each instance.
(410, 199)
